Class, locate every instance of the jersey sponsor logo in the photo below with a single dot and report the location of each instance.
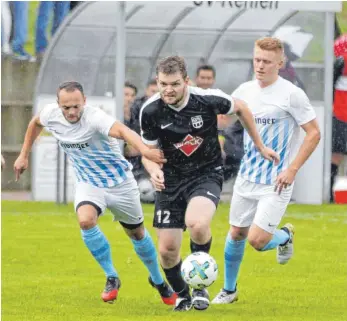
(78, 146)
(197, 121)
(189, 144)
(264, 121)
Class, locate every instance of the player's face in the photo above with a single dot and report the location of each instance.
(205, 79)
(172, 87)
(71, 104)
(129, 96)
(267, 65)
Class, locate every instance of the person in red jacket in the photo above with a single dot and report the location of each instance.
(339, 128)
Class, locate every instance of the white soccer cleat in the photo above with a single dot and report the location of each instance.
(286, 251)
(225, 297)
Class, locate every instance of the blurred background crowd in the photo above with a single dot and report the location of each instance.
(15, 26)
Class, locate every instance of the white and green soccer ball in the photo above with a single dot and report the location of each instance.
(199, 270)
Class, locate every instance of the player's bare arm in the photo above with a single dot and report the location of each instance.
(119, 130)
(154, 170)
(33, 131)
(246, 117)
(309, 144)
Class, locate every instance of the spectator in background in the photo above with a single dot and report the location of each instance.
(20, 11)
(59, 9)
(205, 76)
(339, 126)
(6, 26)
(131, 119)
(151, 89)
(130, 92)
(205, 79)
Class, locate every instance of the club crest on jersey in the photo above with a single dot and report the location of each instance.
(189, 144)
(197, 122)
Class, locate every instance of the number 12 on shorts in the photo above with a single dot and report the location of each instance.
(163, 216)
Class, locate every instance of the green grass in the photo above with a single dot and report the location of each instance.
(48, 274)
(342, 17)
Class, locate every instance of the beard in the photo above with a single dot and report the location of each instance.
(76, 120)
(176, 102)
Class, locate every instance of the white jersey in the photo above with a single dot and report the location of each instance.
(95, 157)
(279, 111)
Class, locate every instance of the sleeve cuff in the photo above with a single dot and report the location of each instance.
(308, 119)
(149, 142)
(230, 111)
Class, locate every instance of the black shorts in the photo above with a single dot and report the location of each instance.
(339, 136)
(171, 203)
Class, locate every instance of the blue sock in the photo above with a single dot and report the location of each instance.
(146, 251)
(279, 237)
(233, 254)
(98, 245)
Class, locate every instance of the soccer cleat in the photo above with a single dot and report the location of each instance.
(183, 304)
(225, 297)
(286, 251)
(110, 292)
(168, 296)
(201, 299)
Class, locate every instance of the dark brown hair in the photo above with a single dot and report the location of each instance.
(172, 64)
(129, 84)
(206, 67)
(70, 86)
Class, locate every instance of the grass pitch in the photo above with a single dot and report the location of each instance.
(48, 273)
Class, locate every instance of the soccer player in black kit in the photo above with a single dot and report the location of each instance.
(182, 121)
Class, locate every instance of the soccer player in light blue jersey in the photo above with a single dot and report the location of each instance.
(104, 179)
(263, 189)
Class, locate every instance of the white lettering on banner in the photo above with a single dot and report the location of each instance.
(314, 6)
(272, 5)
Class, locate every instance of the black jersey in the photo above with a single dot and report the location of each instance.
(187, 135)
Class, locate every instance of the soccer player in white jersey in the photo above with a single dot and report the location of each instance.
(262, 190)
(104, 179)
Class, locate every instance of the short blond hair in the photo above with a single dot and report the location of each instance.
(270, 44)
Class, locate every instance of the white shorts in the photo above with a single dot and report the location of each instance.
(122, 200)
(258, 203)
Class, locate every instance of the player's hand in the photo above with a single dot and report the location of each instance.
(157, 179)
(270, 155)
(20, 165)
(285, 179)
(155, 155)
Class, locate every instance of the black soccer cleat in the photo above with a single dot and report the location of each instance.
(201, 299)
(111, 290)
(183, 304)
(168, 296)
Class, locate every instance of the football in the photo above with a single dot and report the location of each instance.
(199, 270)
